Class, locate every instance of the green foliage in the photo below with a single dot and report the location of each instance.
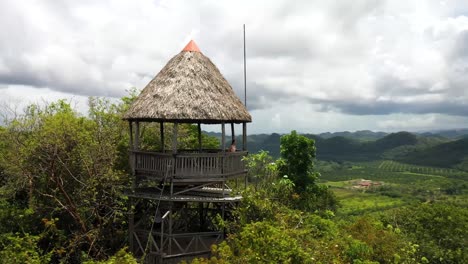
(16, 248)
(62, 176)
(378, 243)
(121, 257)
(297, 157)
(276, 245)
(188, 138)
(439, 228)
(67, 166)
(270, 232)
(257, 206)
(261, 169)
(318, 198)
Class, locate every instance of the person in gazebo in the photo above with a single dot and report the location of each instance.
(232, 148)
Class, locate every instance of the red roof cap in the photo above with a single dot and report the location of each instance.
(191, 46)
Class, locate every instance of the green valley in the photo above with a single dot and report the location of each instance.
(398, 184)
(334, 198)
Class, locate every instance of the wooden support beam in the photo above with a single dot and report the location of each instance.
(233, 134)
(199, 137)
(137, 136)
(161, 131)
(130, 144)
(131, 226)
(170, 228)
(200, 214)
(171, 219)
(244, 136)
(174, 138)
(223, 137)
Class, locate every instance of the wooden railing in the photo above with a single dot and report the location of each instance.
(188, 165)
(152, 163)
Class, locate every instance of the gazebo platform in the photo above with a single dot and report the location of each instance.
(188, 167)
(203, 194)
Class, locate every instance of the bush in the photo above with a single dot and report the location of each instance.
(22, 248)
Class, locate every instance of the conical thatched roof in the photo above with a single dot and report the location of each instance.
(190, 88)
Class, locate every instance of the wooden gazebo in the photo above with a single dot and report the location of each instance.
(178, 193)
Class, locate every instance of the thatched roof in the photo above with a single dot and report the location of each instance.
(190, 88)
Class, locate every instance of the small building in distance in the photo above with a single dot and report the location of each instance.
(365, 184)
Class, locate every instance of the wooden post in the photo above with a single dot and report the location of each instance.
(171, 208)
(137, 136)
(161, 131)
(131, 217)
(233, 135)
(244, 136)
(174, 139)
(131, 226)
(223, 137)
(170, 228)
(199, 137)
(201, 216)
(130, 146)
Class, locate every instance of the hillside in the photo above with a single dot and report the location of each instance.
(449, 154)
(362, 135)
(452, 133)
(429, 150)
(341, 148)
(442, 148)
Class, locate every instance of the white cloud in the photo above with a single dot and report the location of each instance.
(421, 123)
(347, 65)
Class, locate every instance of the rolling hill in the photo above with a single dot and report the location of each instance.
(452, 154)
(428, 149)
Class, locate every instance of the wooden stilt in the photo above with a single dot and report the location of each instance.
(161, 131)
(199, 137)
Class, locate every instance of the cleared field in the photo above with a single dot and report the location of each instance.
(402, 184)
(357, 203)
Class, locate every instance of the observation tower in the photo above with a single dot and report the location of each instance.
(179, 195)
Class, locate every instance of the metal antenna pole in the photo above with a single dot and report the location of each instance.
(245, 75)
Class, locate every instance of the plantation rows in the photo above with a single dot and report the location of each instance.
(397, 173)
(393, 166)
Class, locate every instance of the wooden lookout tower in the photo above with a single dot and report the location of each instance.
(179, 194)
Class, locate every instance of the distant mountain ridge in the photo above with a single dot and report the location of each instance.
(368, 135)
(447, 148)
(452, 154)
(451, 133)
(364, 135)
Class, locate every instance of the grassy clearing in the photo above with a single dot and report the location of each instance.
(357, 202)
(402, 184)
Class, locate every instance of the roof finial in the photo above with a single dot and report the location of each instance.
(191, 46)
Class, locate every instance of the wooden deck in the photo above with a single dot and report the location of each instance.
(154, 195)
(188, 166)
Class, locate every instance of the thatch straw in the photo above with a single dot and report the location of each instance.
(190, 88)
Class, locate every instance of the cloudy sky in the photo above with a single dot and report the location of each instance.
(313, 66)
